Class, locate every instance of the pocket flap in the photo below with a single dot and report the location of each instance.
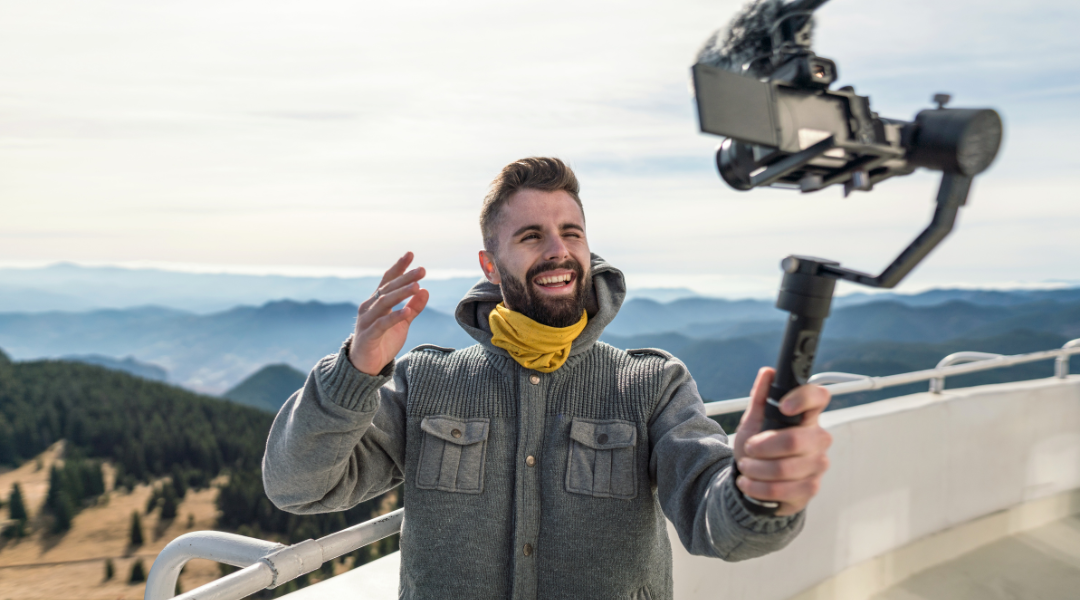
(603, 435)
(456, 431)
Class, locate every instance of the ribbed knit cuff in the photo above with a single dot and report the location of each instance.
(341, 383)
(735, 506)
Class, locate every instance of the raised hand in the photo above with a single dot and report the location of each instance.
(783, 465)
(380, 330)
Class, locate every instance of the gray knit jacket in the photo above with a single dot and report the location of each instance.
(520, 484)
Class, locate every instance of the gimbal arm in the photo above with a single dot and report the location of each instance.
(806, 292)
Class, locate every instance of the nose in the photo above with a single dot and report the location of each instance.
(556, 248)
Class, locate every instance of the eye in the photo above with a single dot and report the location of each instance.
(530, 236)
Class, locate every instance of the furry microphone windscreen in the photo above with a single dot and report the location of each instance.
(744, 44)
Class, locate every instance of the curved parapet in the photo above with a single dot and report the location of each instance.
(998, 458)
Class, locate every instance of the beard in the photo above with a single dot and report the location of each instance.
(519, 295)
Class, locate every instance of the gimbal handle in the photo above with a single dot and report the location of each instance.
(807, 290)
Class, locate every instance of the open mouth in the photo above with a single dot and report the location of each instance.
(555, 281)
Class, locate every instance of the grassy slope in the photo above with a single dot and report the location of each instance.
(72, 565)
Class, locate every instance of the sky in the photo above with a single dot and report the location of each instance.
(330, 136)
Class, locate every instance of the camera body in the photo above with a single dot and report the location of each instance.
(786, 128)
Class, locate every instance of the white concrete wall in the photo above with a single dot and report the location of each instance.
(908, 467)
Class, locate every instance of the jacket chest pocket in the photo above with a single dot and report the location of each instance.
(602, 459)
(452, 454)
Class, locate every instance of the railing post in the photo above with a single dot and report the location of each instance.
(1061, 363)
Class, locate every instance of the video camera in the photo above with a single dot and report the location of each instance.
(759, 84)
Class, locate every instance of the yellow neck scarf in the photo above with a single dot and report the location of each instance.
(533, 345)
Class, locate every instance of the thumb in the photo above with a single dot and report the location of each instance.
(755, 412)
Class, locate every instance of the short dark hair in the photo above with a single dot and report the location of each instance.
(533, 173)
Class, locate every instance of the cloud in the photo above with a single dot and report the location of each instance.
(335, 133)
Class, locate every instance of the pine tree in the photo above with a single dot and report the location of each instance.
(17, 510)
(136, 536)
(152, 501)
(138, 572)
(169, 502)
(63, 511)
(56, 486)
(179, 481)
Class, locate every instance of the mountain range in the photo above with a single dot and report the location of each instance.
(723, 341)
(77, 288)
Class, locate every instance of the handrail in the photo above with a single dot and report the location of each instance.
(266, 564)
(269, 565)
(228, 548)
(829, 377)
(937, 384)
(867, 383)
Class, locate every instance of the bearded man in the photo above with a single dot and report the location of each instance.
(540, 462)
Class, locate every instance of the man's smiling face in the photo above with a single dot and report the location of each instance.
(542, 261)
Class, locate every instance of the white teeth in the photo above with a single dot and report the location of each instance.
(554, 279)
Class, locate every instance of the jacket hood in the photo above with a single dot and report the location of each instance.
(608, 292)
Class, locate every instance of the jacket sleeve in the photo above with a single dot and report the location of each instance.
(691, 466)
(339, 440)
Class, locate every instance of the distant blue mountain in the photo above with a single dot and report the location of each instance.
(69, 287)
(892, 316)
(977, 297)
(127, 365)
(209, 353)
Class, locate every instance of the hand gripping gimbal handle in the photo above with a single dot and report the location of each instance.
(806, 293)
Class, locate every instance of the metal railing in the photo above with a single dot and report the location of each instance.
(850, 383)
(265, 564)
(268, 565)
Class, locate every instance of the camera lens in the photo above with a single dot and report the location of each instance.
(735, 161)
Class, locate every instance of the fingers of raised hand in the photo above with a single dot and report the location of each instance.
(783, 443)
(784, 469)
(377, 325)
(809, 400)
(387, 300)
(378, 300)
(397, 269)
(416, 304)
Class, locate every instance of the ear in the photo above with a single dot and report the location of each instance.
(487, 264)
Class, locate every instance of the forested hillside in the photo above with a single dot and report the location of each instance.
(152, 431)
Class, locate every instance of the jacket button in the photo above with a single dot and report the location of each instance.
(531, 461)
(535, 379)
(457, 433)
(602, 438)
(527, 550)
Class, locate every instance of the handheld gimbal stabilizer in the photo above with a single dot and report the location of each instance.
(759, 84)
